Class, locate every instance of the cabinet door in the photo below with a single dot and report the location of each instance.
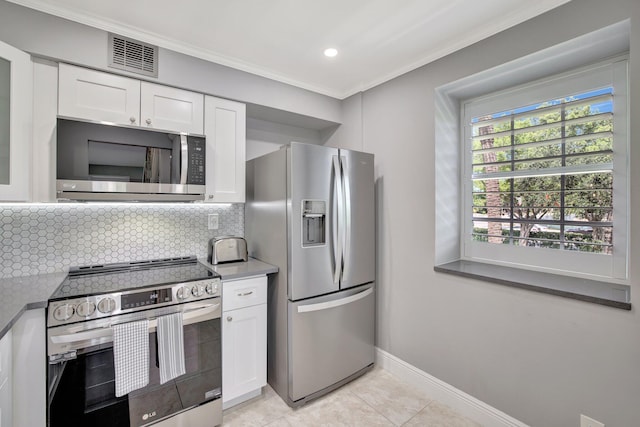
(94, 95)
(225, 128)
(6, 419)
(244, 351)
(15, 123)
(6, 390)
(163, 107)
(29, 389)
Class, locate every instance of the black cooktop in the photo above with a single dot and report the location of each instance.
(117, 277)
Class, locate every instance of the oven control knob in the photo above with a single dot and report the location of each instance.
(197, 290)
(212, 288)
(106, 305)
(85, 309)
(184, 292)
(63, 312)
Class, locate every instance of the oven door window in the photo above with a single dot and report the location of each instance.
(83, 393)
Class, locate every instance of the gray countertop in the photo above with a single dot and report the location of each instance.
(29, 292)
(240, 270)
(24, 293)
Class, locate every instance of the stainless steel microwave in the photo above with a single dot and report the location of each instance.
(97, 161)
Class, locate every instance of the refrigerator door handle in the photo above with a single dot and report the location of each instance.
(346, 234)
(336, 303)
(338, 199)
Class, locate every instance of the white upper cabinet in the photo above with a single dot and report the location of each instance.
(16, 88)
(164, 107)
(93, 95)
(225, 129)
(98, 96)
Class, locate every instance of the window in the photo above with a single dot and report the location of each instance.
(545, 174)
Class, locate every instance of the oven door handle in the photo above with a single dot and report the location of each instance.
(191, 316)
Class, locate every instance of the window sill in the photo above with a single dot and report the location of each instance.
(597, 292)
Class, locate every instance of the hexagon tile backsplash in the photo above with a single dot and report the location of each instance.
(48, 238)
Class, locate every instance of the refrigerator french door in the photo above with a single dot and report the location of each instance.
(322, 303)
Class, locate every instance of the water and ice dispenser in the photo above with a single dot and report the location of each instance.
(314, 214)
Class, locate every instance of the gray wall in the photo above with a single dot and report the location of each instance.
(56, 38)
(539, 358)
(349, 134)
(265, 136)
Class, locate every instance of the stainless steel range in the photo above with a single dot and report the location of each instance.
(81, 372)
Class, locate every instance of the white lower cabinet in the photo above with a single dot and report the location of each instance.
(23, 372)
(29, 370)
(244, 339)
(6, 380)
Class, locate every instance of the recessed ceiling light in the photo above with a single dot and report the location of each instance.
(331, 52)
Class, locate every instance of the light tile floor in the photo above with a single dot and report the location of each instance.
(375, 399)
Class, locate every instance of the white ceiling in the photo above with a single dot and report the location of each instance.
(285, 39)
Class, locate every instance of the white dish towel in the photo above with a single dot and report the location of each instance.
(170, 347)
(131, 356)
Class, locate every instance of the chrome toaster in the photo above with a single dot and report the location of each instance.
(227, 249)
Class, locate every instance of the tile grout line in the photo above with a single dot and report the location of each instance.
(372, 407)
(418, 412)
(385, 417)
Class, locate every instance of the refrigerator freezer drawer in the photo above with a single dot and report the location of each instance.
(330, 338)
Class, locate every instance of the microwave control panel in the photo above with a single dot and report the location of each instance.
(195, 173)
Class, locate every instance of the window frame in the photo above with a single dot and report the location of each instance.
(612, 72)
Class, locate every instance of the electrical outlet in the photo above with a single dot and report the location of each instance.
(213, 221)
(589, 422)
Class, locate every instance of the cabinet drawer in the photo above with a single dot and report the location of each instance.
(244, 293)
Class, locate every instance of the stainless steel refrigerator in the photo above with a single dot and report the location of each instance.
(310, 210)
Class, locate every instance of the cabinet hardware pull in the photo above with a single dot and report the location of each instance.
(148, 121)
(229, 318)
(244, 294)
(132, 119)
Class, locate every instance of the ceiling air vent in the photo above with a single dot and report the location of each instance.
(134, 56)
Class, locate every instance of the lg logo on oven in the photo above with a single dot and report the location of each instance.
(145, 417)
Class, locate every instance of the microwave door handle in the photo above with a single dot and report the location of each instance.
(184, 159)
(189, 317)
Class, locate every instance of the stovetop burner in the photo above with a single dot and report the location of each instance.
(116, 277)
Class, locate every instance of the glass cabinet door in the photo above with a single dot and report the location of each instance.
(15, 123)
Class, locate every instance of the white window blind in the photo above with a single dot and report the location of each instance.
(542, 176)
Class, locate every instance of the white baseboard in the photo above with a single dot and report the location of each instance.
(460, 401)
